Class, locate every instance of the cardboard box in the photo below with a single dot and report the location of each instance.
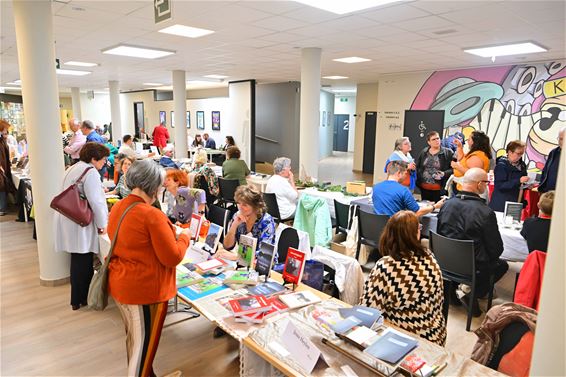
(357, 187)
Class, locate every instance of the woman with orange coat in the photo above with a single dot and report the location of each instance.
(478, 156)
(141, 275)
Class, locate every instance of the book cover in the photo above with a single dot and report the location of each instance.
(194, 227)
(277, 307)
(213, 236)
(294, 265)
(264, 259)
(412, 363)
(185, 277)
(346, 325)
(210, 265)
(368, 316)
(299, 299)
(362, 337)
(268, 289)
(206, 287)
(241, 277)
(392, 346)
(249, 304)
(246, 250)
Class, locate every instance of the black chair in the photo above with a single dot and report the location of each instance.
(370, 227)
(227, 190)
(219, 216)
(342, 214)
(270, 200)
(457, 261)
(289, 238)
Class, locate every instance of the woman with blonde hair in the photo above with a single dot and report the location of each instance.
(203, 171)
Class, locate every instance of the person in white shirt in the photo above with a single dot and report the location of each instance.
(76, 142)
(282, 184)
(127, 148)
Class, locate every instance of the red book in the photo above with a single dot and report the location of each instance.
(412, 363)
(294, 265)
(249, 305)
(276, 307)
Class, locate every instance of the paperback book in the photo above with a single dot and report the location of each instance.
(242, 277)
(268, 289)
(210, 265)
(249, 304)
(264, 259)
(213, 237)
(368, 316)
(194, 227)
(392, 346)
(185, 277)
(277, 307)
(246, 250)
(299, 299)
(294, 265)
(204, 288)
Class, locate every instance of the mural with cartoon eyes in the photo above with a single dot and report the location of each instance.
(526, 102)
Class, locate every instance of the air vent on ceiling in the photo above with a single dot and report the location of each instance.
(444, 32)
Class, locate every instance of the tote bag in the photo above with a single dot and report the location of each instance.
(72, 205)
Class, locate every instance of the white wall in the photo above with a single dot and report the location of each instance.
(97, 109)
(240, 115)
(348, 107)
(326, 133)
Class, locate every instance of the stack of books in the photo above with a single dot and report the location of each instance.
(246, 277)
(249, 308)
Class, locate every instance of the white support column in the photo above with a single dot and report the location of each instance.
(310, 110)
(36, 56)
(180, 108)
(117, 132)
(76, 99)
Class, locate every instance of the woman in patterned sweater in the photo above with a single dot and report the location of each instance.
(406, 284)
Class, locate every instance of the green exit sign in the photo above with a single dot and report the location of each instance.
(343, 99)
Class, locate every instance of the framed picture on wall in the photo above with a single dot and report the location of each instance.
(163, 118)
(200, 120)
(216, 120)
(188, 119)
(172, 119)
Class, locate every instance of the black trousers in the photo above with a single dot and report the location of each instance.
(432, 195)
(498, 268)
(81, 275)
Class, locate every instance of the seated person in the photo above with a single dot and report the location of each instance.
(406, 283)
(233, 167)
(282, 184)
(122, 189)
(208, 141)
(182, 201)
(536, 229)
(467, 217)
(252, 217)
(127, 148)
(390, 196)
(202, 169)
(197, 142)
(117, 167)
(166, 159)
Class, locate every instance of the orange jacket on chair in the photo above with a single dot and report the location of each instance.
(527, 292)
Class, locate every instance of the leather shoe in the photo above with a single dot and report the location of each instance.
(75, 307)
(476, 311)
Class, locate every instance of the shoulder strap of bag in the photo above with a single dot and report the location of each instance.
(83, 174)
(116, 232)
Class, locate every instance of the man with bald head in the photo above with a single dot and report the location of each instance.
(467, 217)
(77, 141)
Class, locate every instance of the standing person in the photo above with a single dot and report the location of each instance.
(406, 284)
(76, 142)
(282, 184)
(82, 242)
(197, 142)
(478, 156)
(550, 170)
(510, 173)
(402, 152)
(209, 142)
(433, 168)
(160, 136)
(6, 183)
(233, 167)
(141, 272)
(87, 128)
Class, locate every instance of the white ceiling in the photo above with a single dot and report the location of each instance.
(262, 39)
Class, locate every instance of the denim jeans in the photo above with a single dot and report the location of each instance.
(3, 201)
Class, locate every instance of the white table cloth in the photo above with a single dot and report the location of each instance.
(514, 245)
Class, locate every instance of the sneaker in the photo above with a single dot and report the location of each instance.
(476, 311)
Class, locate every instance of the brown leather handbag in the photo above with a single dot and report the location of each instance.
(72, 205)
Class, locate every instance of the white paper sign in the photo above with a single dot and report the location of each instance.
(302, 350)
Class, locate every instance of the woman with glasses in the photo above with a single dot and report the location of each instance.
(510, 173)
(478, 156)
(433, 168)
(406, 283)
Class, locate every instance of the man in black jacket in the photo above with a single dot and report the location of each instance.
(468, 217)
(550, 171)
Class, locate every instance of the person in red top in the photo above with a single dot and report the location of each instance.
(160, 136)
(141, 273)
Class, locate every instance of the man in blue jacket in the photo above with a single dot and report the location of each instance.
(550, 171)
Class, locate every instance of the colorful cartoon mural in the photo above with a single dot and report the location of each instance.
(526, 102)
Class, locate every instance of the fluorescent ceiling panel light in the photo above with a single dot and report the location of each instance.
(505, 50)
(344, 90)
(343, 6)
(219, 77)
(334, 77)
(80, 64)
(137, 52)
(72, 72)
(186, 31)
(152, 84)
(352, 59)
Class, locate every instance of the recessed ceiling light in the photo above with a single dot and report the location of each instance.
(72, 72)
(186, 31)
(15, 82)
(343, 7)
(152, 84)
(334, 77)
(80, 64)
(505, 50)
(137, 52)
(352, 59)
(220, 77)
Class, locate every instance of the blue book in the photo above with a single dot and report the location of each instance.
(344, 326)
(392, 346)
(206, 287)
(267, 289)
(368, 316)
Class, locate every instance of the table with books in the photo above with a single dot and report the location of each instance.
(330, 196)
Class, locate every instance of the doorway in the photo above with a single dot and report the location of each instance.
(341, 130)
(139, 124)
(369, 142)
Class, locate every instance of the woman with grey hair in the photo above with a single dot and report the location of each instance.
(402, 152)
(141, 276)
(282, 184)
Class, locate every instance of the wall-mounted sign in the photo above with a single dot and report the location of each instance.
(161, 10)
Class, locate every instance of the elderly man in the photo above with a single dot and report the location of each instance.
(282, 184)
(76, 143)
(467, 217)
(127, 148)
(390, 196)
(208, 141)
(166, 159)
(87, 128)
(550, 171)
